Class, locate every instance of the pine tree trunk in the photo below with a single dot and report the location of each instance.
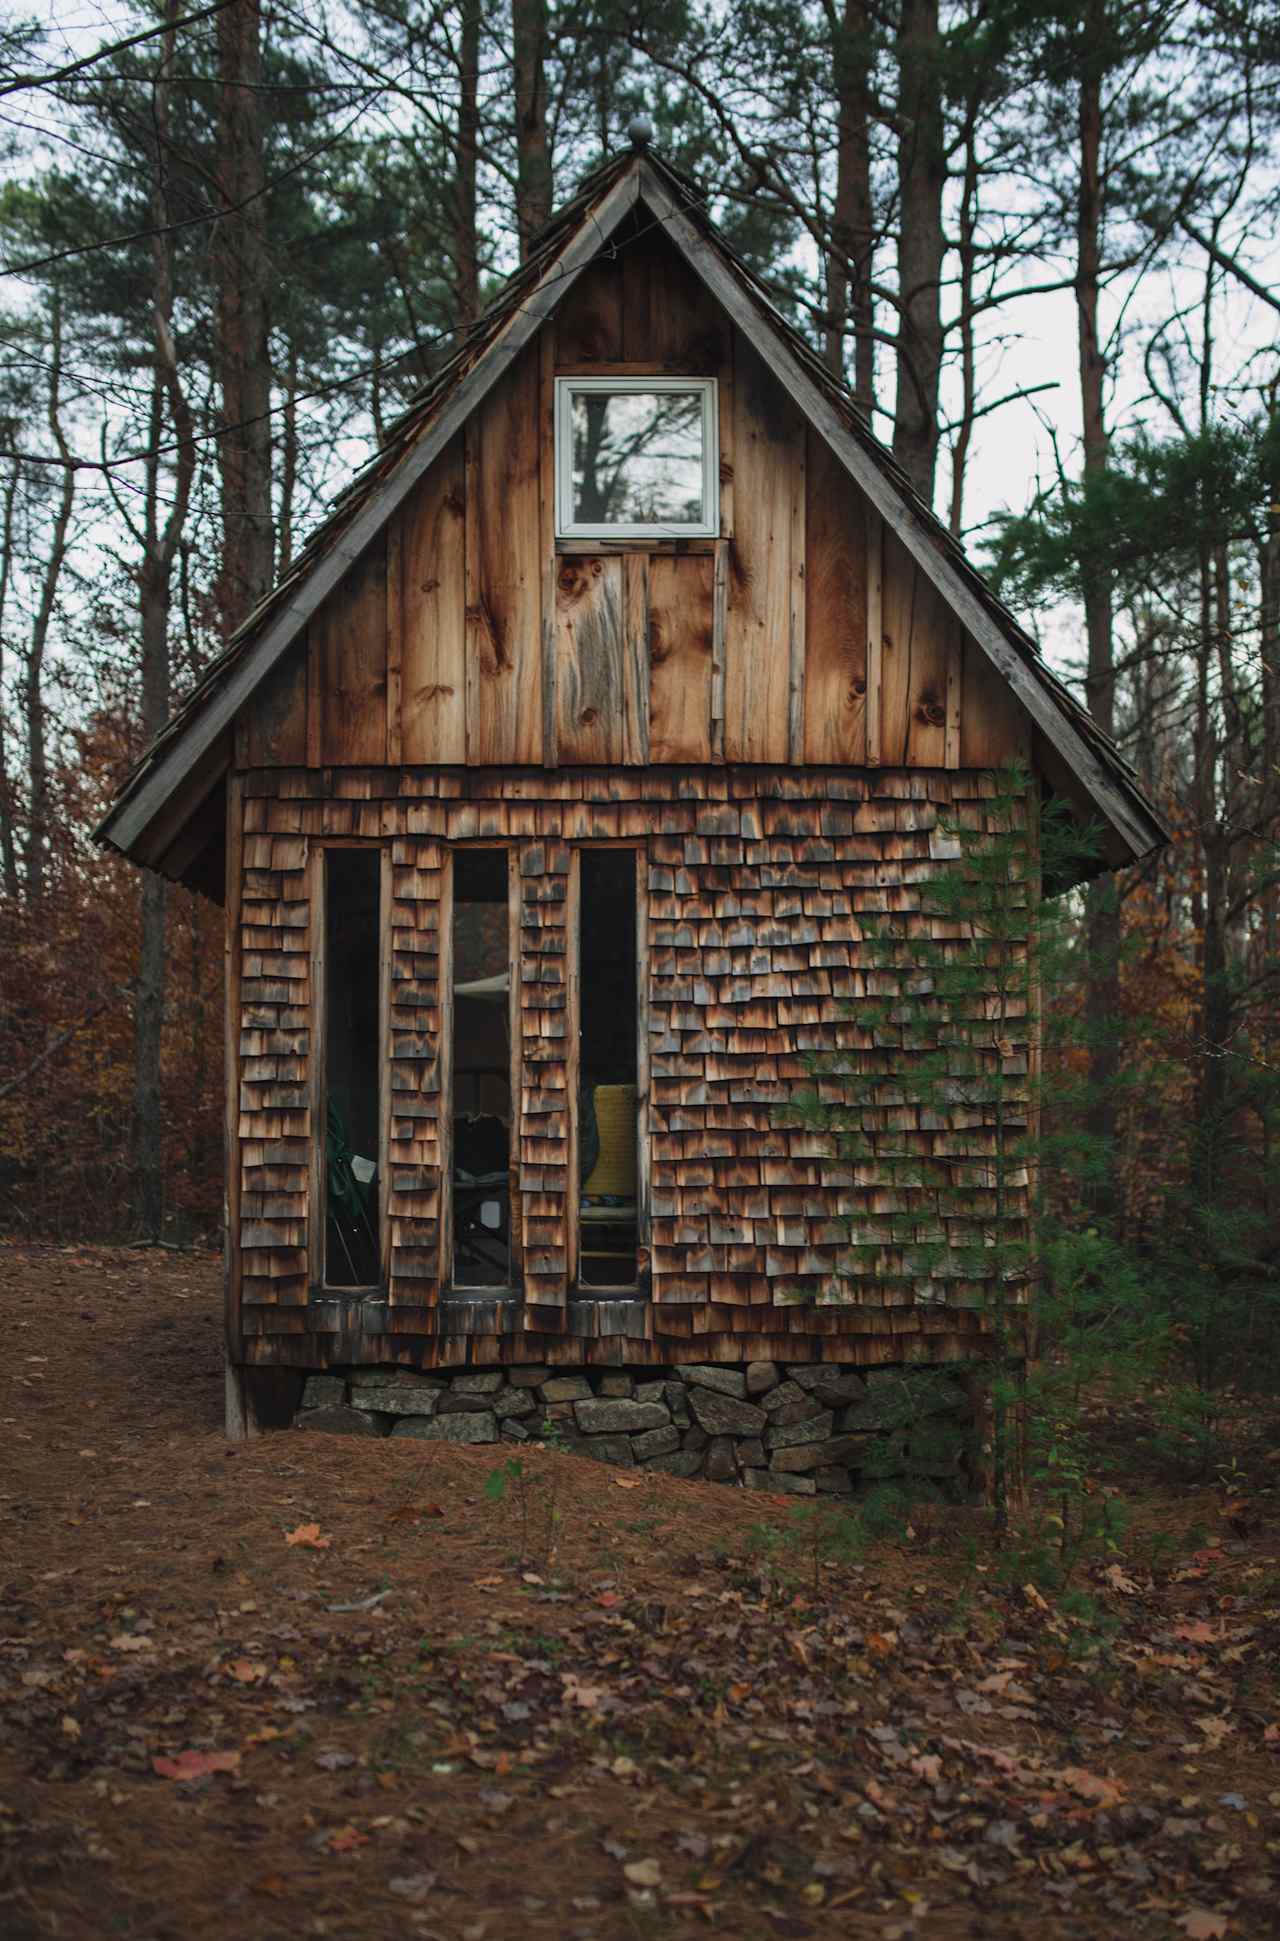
(8, 833)
(167, 494)
(1102, 999)
(38, 806)
(852, 224)
(243, 353)
(533, 155)
(1269, 654)
(466, 258)
(967, 252)
(922, 174)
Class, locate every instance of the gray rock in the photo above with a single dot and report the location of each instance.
(604, 1415)
(676, 1396)
(486, 1382)
(833, 1482)
(880, 1409)
(453, 1403)
(614, 1449)
(655, 1442)
(683, 1462)
(720, 1463)
(789, 1435)
(722, 1415)
(528, 1377)
(651, 1391)
(344, 1422)
(834, 1387)
(566, 1388)
(468, 1427)
(395, 1378)
(695, 1438)
(793, 1485)
(727, 1381)
(899, 1395)
(800, 1461)
(942, 1394)
(786, 1396)
(790, 1413)
(323, 1392)
(751, 1453)
(399, 1400)
(761, 1377)
(616, 1385)
(782, 1484)
(513, 1402)
(512, 1431)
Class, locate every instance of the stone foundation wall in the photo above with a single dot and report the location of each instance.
(807, 1428)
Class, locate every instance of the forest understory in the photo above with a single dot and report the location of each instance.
(317, 1686)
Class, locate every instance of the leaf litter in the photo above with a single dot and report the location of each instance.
(409, 1729)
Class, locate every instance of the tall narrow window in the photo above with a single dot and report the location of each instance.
(481, 1069)
(352, 1110)
(607, 1121)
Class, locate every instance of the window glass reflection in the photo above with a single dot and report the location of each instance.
(637, 458)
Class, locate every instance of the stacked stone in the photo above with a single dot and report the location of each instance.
(805, 1429)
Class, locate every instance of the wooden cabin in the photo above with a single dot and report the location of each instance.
(545, 794)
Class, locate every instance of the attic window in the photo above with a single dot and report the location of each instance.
(637, 458)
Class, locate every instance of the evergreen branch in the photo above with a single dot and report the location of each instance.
(51, 77)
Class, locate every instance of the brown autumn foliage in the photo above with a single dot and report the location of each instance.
(66, 1031)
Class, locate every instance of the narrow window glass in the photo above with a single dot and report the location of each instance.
(607, 1117)
(352, 1093)
(637, 458)
(481, 1069)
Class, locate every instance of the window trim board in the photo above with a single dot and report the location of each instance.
(566, 527)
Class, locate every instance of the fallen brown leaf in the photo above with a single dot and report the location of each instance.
(195, 1765)
(1202, 1925)
(307, 1537)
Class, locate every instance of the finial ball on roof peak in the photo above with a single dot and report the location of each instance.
(639, 131)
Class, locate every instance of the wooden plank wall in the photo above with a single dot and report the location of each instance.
(757, 882)
(805, 634)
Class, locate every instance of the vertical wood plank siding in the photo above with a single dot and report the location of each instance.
(805, 633)
(755, 886)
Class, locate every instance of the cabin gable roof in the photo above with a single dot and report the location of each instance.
(187, 759)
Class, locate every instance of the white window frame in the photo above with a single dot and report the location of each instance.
(704, 387)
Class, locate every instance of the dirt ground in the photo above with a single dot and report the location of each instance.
(331, 1687)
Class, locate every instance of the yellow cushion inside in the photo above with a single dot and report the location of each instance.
(614, 1172)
